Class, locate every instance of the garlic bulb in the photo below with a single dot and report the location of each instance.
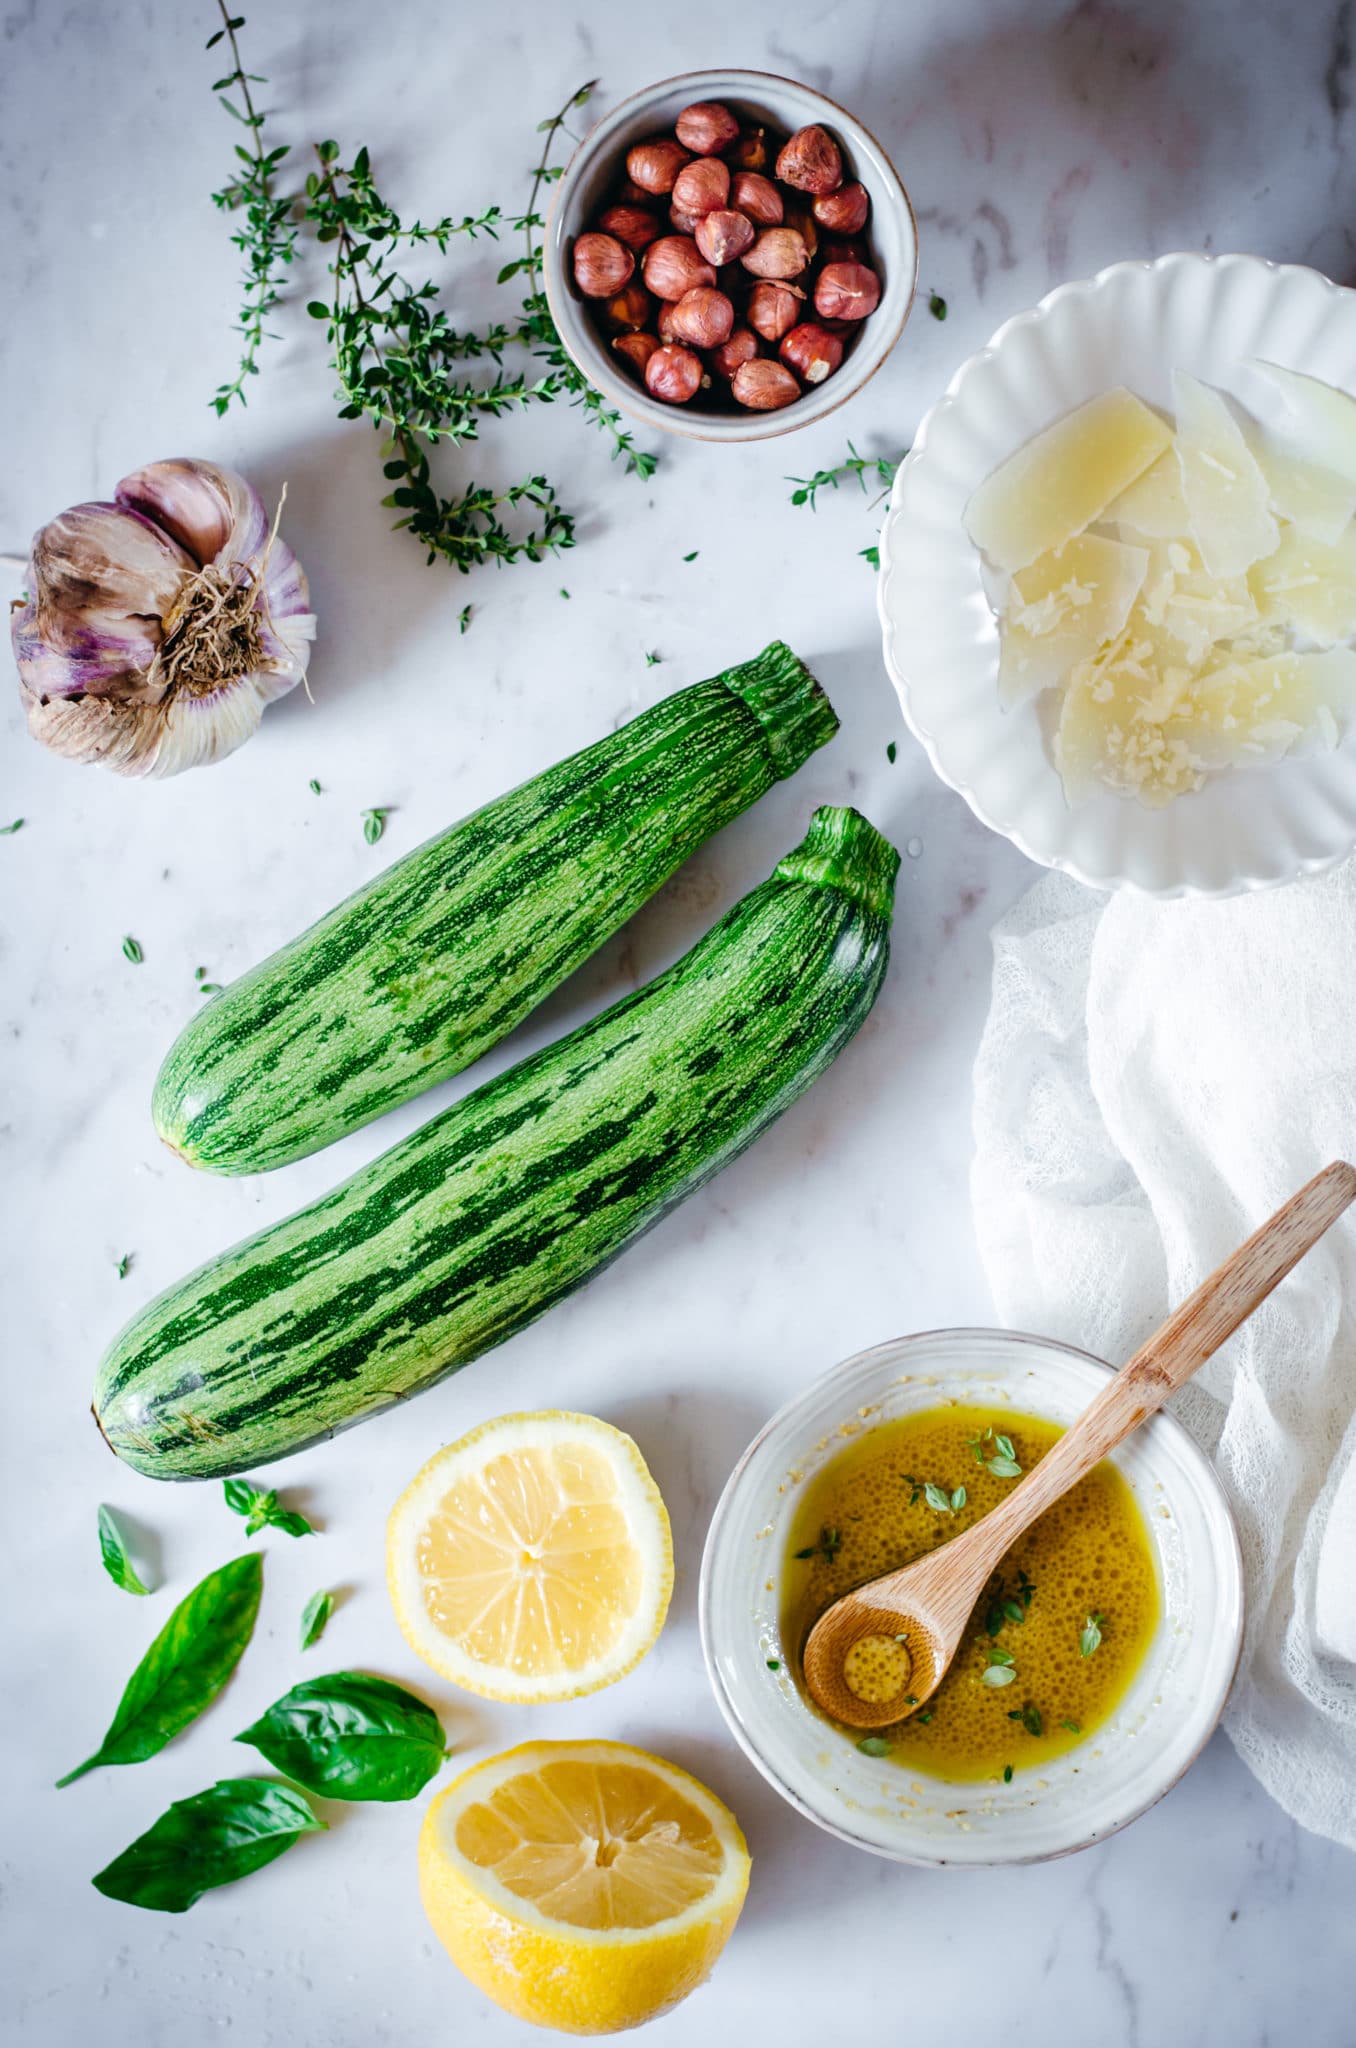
(156, 628)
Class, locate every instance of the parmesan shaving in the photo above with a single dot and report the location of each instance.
(1055, 486)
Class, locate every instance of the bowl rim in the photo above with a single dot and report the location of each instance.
(1231, 1560)
(733, 428)
(1102, 879)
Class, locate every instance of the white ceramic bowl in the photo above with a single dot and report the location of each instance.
(1132, 324)
(1160, 1726)
(756, 96)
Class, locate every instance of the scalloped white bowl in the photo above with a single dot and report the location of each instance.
(1248, 828)
(1160, 1726)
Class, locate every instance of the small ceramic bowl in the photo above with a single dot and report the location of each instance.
(1156, 1732)
(1133, 324)
(756, 97)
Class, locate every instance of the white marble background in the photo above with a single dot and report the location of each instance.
(1039, 142)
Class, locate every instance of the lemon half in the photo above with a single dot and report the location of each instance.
(533, 1560)
(585, 1886)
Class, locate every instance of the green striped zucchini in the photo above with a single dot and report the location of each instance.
(423, 970)
(467, 1231)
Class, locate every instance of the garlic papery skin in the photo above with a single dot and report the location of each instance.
(157, 627)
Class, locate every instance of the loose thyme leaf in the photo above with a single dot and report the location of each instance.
(937, 306)
(113, 1551)
(891, 752)
(997, 1674)
(314, 1616)
(774, 1663)
(874, 1745)
(693, 556)
(1031, 1719)
(313, 786)
(653, 660)
(185, 1667)
(1003, 1445)
(123, 1266)
(6, 830)
(1004, 1468)
(997, 1656)
(374, 823)
(214, 1838)
(1072, 1727)
(132, 948)
(1007, 1774)
(958, 1499)
(938, 1498)
(1091, 1636)
(463, 618)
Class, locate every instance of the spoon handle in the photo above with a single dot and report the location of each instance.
(1193, 1333)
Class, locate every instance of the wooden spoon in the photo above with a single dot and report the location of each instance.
(877, 1654)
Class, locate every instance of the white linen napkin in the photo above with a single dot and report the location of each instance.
(1153, 1081)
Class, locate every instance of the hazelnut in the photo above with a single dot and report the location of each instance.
(630, 309)
(750, 151)
(742, 347)
(843, 212)
(758, 197)
(706, 127)
(674, 265)
(703, 318)
(664, 322)
(636, 226)
(797, 215)
(601, 265)
(773, 309)
(636, 349)
(764, 386)
(674, 374)
(778, 252)
(811, 351)
(723, 235)
(654, 165)
(811, 161)
(847, 291)
(702, 186)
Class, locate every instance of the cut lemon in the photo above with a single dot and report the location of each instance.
(585, 1886)
(532, 1560)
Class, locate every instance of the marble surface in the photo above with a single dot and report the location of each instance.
(1039, 142)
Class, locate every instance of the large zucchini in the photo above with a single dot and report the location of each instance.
(467, 1231)
(419, 973)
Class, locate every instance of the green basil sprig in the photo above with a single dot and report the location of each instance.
(217, 1836)
(262, 1510)
(186, 1666)
(113, 1550)
(349, 1736)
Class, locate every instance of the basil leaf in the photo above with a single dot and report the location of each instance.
(186, 1666)
(217, 1836)
(351, 1737)
(314, 1616)
(113, 1551)
(261, 1509)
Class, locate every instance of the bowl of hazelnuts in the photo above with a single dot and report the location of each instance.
(730, 255)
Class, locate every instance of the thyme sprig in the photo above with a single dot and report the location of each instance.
(265, 238)
(399, 360)
(538, 324)
(880, 467)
